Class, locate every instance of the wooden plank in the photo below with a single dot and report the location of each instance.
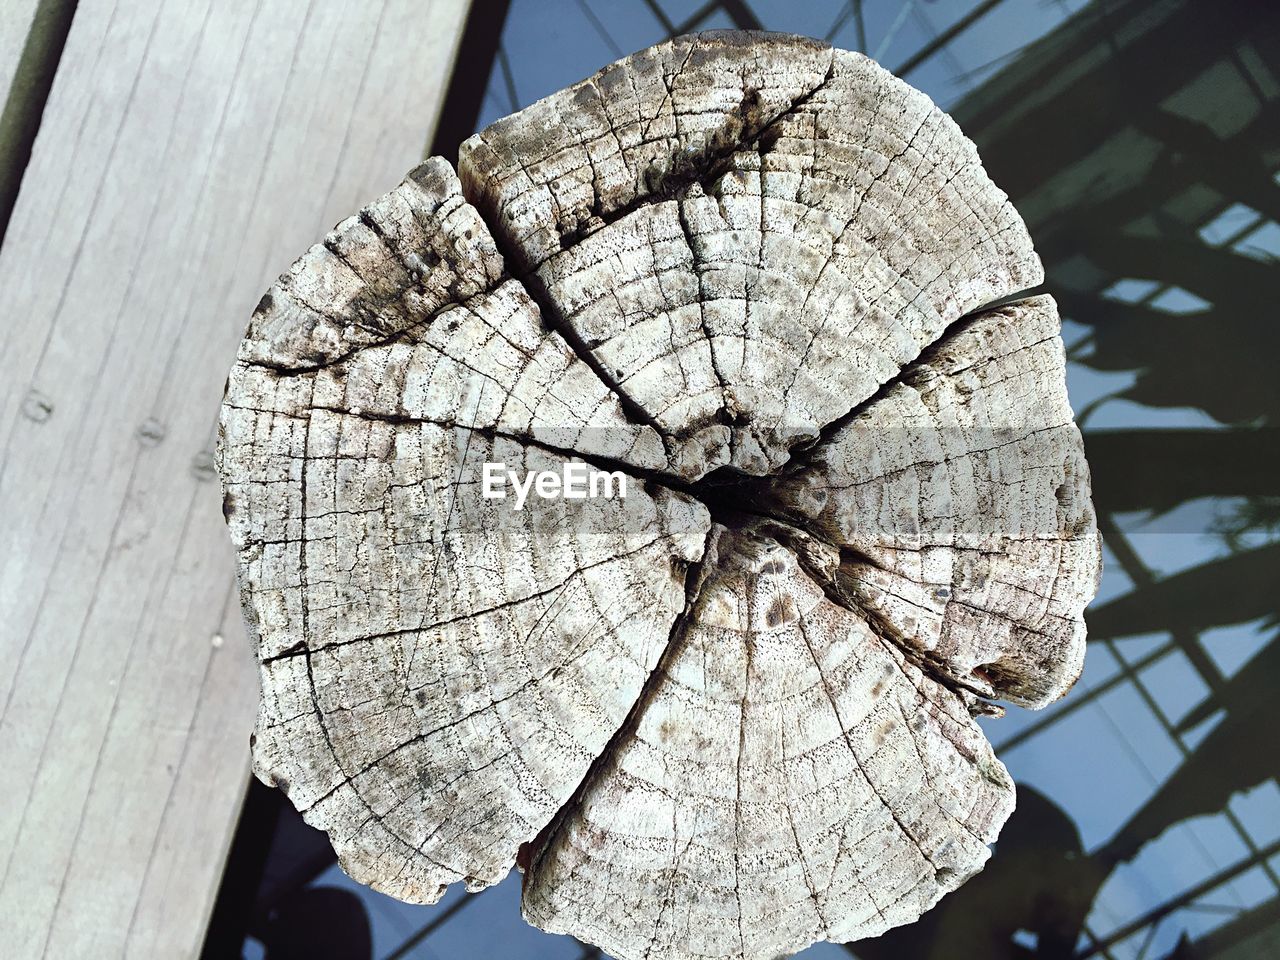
(32, 35)
(190, 149)
(15, 22)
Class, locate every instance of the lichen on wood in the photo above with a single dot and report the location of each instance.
(731, 713)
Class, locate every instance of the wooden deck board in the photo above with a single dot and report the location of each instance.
(16, 17)
(188, 152)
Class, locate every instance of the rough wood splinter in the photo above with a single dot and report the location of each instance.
(731, 713)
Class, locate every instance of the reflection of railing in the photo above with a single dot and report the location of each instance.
(1145, 825)
(1209, 884)
(1106, 165)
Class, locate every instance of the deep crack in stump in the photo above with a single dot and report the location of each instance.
(731, 713)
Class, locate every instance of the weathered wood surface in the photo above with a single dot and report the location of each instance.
(188, 150)
(730, 714)
(16, 17)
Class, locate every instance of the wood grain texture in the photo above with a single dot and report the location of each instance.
(961, 499)
(186, 148)
(773, 235)
(32, 35)
(16, 17)
(730, 714)
(793, 777)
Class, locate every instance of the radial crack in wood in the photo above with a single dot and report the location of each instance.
(809, 224)
(961, 496)
(438, 672)
(725, 709)
(793, 778)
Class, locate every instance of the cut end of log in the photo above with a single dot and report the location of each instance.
(741, 282)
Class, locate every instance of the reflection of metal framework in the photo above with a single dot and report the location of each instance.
(737, 10)
(486, 57)
(1169, 188)
(1103, 132)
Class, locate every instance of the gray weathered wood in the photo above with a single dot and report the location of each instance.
(16, 17)
(730, 714)
(189, 149)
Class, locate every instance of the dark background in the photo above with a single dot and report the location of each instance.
(1140, 139)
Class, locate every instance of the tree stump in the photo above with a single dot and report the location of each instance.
(750, 278)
